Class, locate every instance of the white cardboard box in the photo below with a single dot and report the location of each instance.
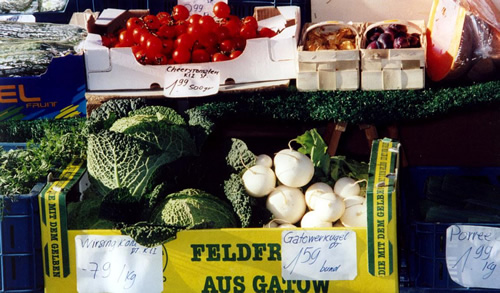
(369, 10)
(264, 59)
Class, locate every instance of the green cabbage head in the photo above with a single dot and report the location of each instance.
(128, 154)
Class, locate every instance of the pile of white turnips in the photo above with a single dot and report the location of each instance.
(319, 206)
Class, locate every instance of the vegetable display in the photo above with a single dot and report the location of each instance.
(155, 171)
(178, 37)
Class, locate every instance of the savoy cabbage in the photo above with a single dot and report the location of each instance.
(128, 154)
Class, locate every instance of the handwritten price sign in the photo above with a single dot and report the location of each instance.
(202, 7)
(472, 255)
(117, 264)
(190, 81)
(318, 255)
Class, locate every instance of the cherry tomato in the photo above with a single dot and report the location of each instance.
(180, 27)
(222, 33)
(234, 27)
(151, 22)
(221, 10)
(251, 21)
(184, 41)
(207, 23)
(137, 33)
(153, 46)
(159, 59)
(134, 22)
(166, 31)
(226, 45)
(266, 33)
(135, 48)
(168, 46)
(163, 17)
(200, 56)
(141, 56)
(144, 38)
(247, 31)
(235, 54)
(208, 40)
(217, 57)
(239, 43)
(125, 38)
(194, 18)
(106, 41)
(194, 29)
(180, 12)
(181, 55)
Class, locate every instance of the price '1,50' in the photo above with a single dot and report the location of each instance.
(126, 277)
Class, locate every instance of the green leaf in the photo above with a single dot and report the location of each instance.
(312, 144)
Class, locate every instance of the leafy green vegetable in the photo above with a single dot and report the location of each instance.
(239, 157)
(53, 147)
(251, 211)
(135, 147)
(329, 168)
(105, 115)
(312, 144)
(182, 210)
(189, 207)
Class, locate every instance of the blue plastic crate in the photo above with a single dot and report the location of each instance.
(21, 268)
(12, 145)
(240, 8)
(423, 244)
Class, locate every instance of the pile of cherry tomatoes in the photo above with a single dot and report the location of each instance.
(178, 37)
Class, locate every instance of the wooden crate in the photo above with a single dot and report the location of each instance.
(328, 69)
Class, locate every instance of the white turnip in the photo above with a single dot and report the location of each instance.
(345, 187)
(354, 216)
(264, 160)
(330, 208)
(352, 200)
(316, 189)
(259, 180)
(293, 168)
(311, 219)
(286, 203)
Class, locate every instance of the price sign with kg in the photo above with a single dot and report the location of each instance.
(115, 263)
(472, 255)
(190, 81)
(318, 255)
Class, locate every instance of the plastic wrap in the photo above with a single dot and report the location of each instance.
(476, 54)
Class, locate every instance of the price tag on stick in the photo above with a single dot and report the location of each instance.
(190, 81)
(318, 255)
(115, 263)
(472, 255)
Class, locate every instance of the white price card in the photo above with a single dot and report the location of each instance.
(115, 263)
(472, 255)
(318, 255)
(202, 7)
(190, 81)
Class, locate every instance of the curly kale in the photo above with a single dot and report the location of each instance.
(239, 156)
(251, 211)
